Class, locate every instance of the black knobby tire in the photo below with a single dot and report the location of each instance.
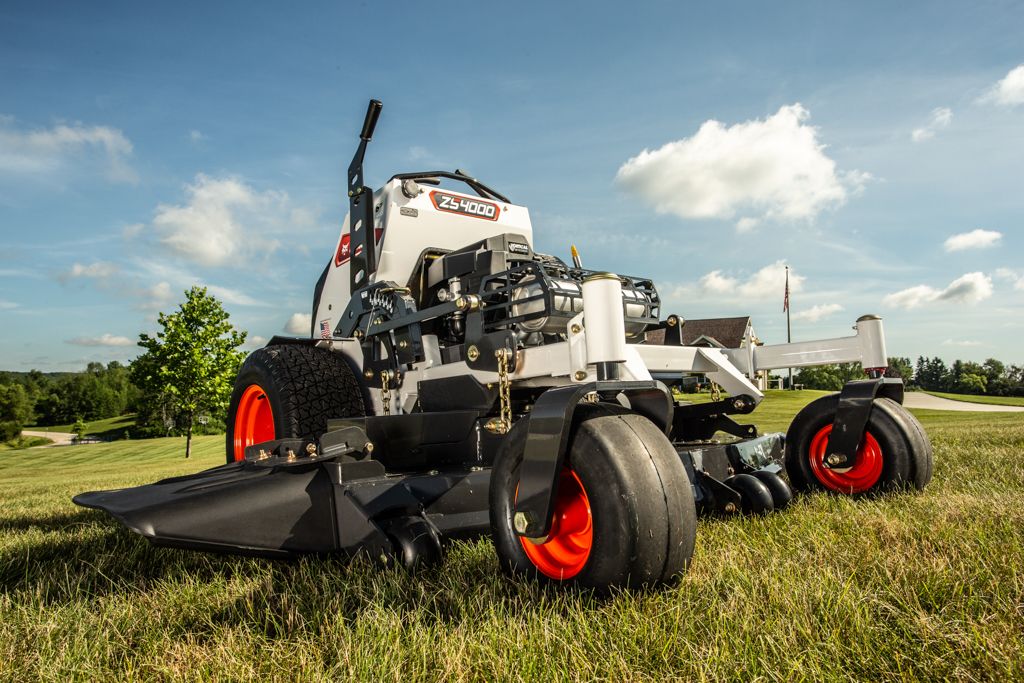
(641, 501)
(305, 387)
(893, 436)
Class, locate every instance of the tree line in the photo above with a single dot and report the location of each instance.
(992, 377)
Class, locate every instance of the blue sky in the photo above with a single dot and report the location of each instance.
(876, 148)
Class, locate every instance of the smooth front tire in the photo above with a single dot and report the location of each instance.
(289, 391)
(894, 454)
(782, 494)
(755, 497)
(624, 511)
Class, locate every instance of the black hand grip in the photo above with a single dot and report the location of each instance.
(372, 114)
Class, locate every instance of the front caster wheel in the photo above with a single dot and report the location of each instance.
(624, 513)
(895, 453)
(782, 495)
(755, 497)
(417, 544)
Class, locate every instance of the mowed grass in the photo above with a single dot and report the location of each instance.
(992, 400)
(913, 587)
(111, 426)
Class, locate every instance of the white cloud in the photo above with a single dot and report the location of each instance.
(1016, 278)
(196, 136)
(940, 118)
(774, 168)
(97, 270)
(747, 224)
(254, 342)
(817, 312)
(47, 150)
(157, 296)
(968, 288)
(966, 342)
(102, 340)
(767, 283)
(133, 230)
(7, 305)
(232, 296)
(1009, 91)
(975, 239)
(224, 220)
(299, 323)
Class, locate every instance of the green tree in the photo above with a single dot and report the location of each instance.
(15, 404)
(828, 377)
(190, 365)
(900, 367)
(931, 374)
(79, 429)
(971, 383)
(15, 410)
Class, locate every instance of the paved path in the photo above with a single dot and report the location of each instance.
(919, 399)
(58, 438)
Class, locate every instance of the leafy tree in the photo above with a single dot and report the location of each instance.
(15, 410)
(189, 367)
(900, 367)
(931, 374)
(79, 429)
(828, 377)
(971, 383)
(15, 404)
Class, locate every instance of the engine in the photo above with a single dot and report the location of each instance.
(533, 295)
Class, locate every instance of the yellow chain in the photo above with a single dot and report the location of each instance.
(385, 391)
(716, 395)
(504, 390)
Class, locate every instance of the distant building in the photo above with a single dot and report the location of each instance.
(717, 333)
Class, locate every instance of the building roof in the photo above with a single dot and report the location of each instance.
(722, 332)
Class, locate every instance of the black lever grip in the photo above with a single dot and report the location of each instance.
(370, 122)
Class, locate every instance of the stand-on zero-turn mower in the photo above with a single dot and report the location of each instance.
(457, 382)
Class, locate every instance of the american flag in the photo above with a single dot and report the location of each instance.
(785, 301)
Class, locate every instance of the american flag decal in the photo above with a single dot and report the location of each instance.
(325, 329)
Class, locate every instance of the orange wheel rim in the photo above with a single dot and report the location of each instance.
(862, 476)
(567, 548)
(254, 420)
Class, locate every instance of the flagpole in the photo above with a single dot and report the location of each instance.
(789, 329)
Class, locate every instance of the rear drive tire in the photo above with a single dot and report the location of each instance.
(289, 391)
(624, 509)
(894, 454)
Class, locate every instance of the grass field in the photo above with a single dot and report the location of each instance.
(112, 427)
(24, 442)
(993, 400)
(912, 587)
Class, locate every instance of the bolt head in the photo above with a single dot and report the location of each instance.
(403, 344)
(672, 321)
(834, 459)
(472, 353)
(575, 329)
(368, 374)
(730, 507)
(580, 375)
(520, 522)
(368, 447)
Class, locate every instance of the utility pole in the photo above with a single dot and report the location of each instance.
(789, 329)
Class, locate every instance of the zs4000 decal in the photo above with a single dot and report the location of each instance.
(467, 206)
